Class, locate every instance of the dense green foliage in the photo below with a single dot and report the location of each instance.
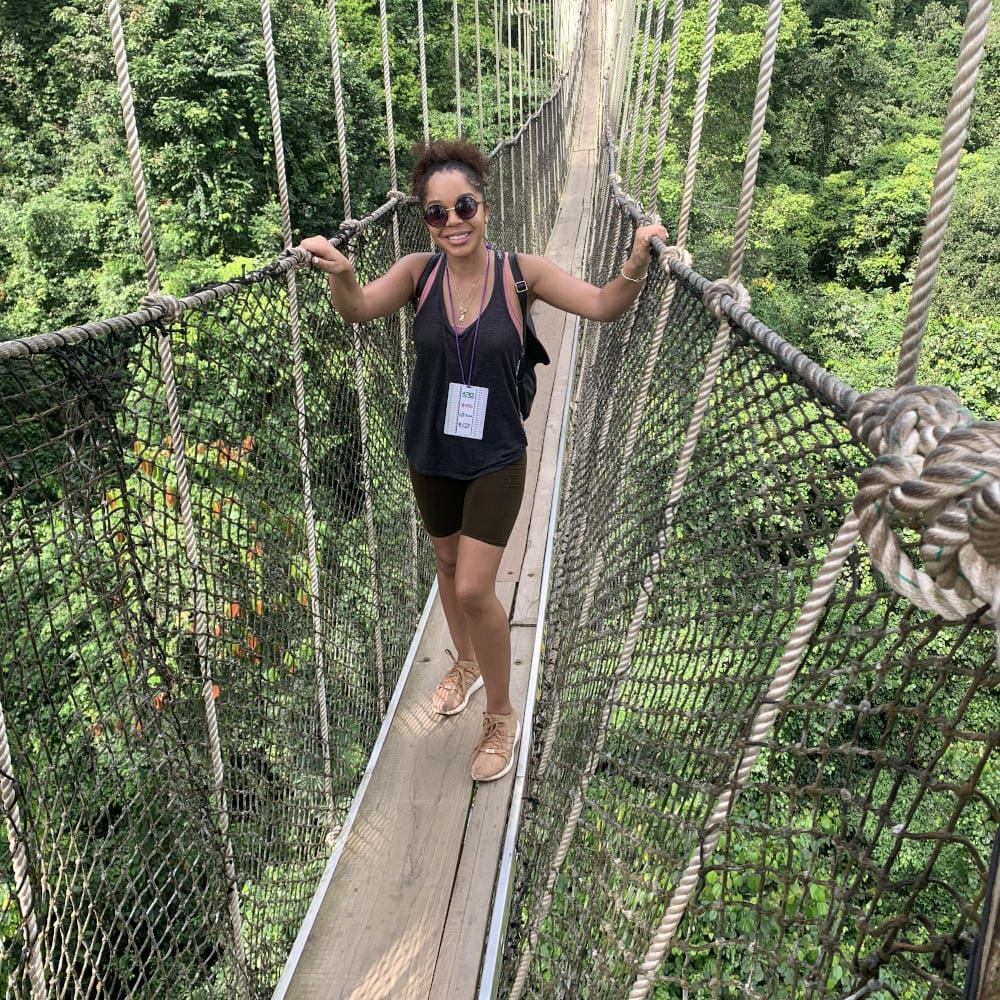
(858, 102)
(69, 245)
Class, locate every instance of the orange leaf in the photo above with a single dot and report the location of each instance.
(215, 691)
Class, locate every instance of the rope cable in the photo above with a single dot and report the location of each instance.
(653, 197)
(641, 87)
(20, 866)
(422, 43)
(767, 713)
(756, 137)
(970, 56)
(183, 494)
(338, 100)
(654, 73)
(298, 375)
(132, 140)
(458, 70)
(699, 119)
(479, 77)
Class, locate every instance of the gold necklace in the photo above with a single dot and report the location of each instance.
(463, 306)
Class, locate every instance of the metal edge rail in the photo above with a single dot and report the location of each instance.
(504, 885)
(298, 946)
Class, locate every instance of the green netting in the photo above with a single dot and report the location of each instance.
(853, 863)
(136, 656)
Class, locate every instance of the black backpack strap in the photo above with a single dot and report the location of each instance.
(520, 285)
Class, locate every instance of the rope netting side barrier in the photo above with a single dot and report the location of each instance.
(854, 860)
(757, 770)
(122, 853)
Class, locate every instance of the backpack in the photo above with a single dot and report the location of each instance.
(533, 353)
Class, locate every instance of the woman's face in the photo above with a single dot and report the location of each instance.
(457, 237)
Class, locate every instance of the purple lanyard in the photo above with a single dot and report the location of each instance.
(475, 333)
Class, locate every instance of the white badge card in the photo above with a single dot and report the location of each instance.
(466, 412)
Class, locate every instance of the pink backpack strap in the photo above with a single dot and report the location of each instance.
(429, 284)
(510, 295)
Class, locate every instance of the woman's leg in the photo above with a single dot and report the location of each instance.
(485, 619)
(446, 550)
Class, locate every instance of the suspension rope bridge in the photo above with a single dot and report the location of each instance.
(754, 614)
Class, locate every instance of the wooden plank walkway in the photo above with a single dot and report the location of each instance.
(405, 909)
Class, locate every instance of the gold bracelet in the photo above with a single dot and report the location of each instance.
(638, 281)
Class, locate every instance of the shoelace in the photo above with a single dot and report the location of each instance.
(494, 738)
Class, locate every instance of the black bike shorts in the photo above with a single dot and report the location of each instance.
(484, 508)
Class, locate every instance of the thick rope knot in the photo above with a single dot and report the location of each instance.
(906, 421)
(398, 196)
(299, 255)
(171, 306)
(937, 477)
(674, 252)
(718, 289)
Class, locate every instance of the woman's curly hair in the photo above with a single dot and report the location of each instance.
(448, 154)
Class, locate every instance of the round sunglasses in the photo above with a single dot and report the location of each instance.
(465, 208)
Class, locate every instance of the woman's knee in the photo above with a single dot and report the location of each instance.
(447, 564)
(446, 552)
(475, 596)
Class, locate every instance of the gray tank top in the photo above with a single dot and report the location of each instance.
(497, 352)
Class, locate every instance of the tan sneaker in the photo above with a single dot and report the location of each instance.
(457, 686)
(494, 753)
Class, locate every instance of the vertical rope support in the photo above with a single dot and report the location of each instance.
(19, 862)
(359, 376)
(496, 68)
(500, 133)
(480, 138)
(525, 239)
(201, 642)
(756, 135)
(956, 126)
(639, 86)
(668, 89)
(510, 74)
(319, 644)
(338, 101)
(699, 121)
(132, 140)
(531, 137)
(422, 40)
(791, 659)
(654, 72)
(458, 70)
(398, 250)
(184, 499)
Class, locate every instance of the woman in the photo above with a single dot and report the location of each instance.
(464, 439)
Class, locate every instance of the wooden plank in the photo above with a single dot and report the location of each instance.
(378, 929)
(530, 578)
(461, 953)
